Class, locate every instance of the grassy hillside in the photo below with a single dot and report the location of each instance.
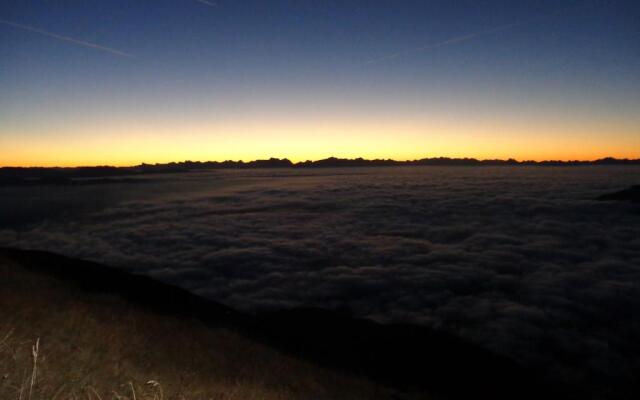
(71, 329)
(60, 341)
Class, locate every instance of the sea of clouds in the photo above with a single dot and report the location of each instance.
(520, 260)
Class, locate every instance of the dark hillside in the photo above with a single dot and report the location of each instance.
(43, 290)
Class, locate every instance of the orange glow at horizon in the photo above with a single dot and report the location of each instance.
(118, 145)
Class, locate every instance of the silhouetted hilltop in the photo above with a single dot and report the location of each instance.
(92, 175)
(334, 162)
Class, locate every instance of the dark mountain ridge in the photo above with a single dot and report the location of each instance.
(109, 174)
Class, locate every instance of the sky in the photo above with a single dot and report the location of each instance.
(121, 82)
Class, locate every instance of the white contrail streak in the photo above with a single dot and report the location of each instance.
(447, 42)
(208, 3)
(67, 39)
(474, 35)
(457, 39)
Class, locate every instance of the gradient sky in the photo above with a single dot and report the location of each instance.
(122, 82)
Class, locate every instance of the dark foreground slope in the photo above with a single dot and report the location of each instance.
(103, 334)
(100, 328)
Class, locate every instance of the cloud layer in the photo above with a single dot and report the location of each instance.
(519, 260)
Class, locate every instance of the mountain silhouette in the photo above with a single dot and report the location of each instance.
(98, 174)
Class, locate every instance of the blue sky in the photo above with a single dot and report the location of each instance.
(374, 78)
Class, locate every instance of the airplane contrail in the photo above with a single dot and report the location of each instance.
(67, 39)
(470, 36)
(457, 39)
(208, 3)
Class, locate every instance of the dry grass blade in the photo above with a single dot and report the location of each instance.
(6, 337)
(116, 395)
(55, 396)
(34, 353)
(91, 388)
(24, 378)
(158, 395)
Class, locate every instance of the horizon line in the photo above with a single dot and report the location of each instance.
(303, 162)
